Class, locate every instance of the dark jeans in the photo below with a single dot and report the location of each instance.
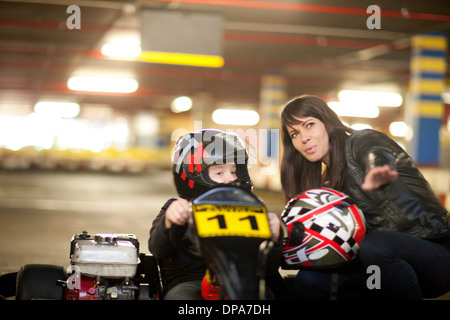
(411, 268)
(343, 283)
(188, 290)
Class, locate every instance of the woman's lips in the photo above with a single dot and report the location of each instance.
(310, 149)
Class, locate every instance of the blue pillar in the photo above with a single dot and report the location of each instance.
(272, 97)
(425, 108)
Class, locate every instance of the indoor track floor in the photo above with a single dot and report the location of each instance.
(41, 211)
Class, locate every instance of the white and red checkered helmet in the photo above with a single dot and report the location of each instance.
(325, 230)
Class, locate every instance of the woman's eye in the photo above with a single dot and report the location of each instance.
(293, 135)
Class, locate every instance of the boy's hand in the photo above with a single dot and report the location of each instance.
(177, 213)
(378, 177)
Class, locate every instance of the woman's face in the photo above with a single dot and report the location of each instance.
(310, 138)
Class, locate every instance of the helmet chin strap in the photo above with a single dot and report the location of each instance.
(247, 185)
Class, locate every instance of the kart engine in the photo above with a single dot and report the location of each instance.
(103, 267)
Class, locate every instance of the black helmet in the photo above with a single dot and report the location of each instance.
(196, 151)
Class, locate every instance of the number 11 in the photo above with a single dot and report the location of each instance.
(223, 225)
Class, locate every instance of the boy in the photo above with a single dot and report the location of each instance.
(201, 160)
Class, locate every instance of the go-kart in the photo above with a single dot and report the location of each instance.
(231, 232)
(229, 227)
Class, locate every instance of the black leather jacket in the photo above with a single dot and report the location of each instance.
(175, 267)
(408, 204)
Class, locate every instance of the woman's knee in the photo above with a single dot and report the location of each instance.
(377, 246)
(311, 285)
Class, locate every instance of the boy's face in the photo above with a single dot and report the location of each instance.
(222, 173)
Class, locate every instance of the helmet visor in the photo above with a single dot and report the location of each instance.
(224, 148)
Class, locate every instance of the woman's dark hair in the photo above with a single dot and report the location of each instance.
(299, 174)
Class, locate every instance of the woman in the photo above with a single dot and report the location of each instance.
(408, 228)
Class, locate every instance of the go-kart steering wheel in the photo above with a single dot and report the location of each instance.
(230, 230)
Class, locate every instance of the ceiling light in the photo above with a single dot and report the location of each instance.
(58, 109)
(398, 128)
(181, 104)
(106, 84)
(378, 98)
(401, 129)
(364, 110)
(235, 117)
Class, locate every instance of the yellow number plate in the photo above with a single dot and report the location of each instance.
(231, 220)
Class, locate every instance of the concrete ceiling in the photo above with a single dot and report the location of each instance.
(319, 46)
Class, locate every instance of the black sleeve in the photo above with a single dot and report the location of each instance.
(159, 242)
(371, 149)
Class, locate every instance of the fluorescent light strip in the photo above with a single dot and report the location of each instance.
(59, 109)
(128, 51)
(235, 117)
(343, 109)
(380, 99)
(114, 85)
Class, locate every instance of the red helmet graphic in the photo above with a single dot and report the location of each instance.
(325, 230)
